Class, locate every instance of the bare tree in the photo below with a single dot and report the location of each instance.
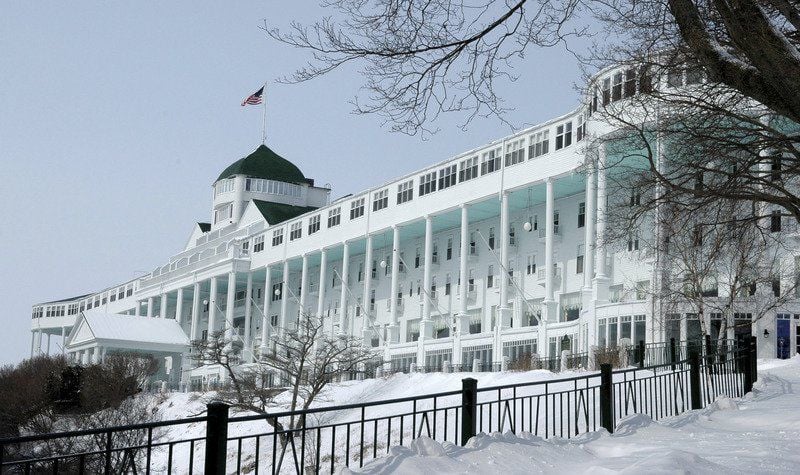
(712, 261)
(419, 59)
(291, 375)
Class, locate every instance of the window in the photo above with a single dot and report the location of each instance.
(515, 152)
(357, 208)
(277, 291)
(491, 238)
(776, 286)
(530, 269)
(580, 131)
(449, 252)
(635, 198)
(616, 88)
(471, 281)
(313, 224)
(564, 135)
(606, 91)
(427, 183)
(581, 215)
(223, 213)
(775, 169)
(258, 243)
(675, 77)
(277, 237)
(512, 236)
(296, 231)
(360, 271)
(633, 242)
(490, 277)
(468, 169)
(260, 185)
(775, 221)
(579, 260)
(694, 75)
(630, 83)
(223, 186)
(539, 144)
(417, 259)
(697, 235)
(380, 200)
(447, 284)
(405, 191)
(435, 252)
(447, 177)
(490, 161)
(645, 80)
(334, 217)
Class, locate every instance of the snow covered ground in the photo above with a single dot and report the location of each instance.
(759, 433)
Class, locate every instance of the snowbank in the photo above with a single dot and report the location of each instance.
(755, 434)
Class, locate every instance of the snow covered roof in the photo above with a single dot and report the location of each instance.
(95, 324)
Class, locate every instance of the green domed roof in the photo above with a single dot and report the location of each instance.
(264, 163)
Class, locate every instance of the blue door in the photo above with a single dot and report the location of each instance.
(783, 341)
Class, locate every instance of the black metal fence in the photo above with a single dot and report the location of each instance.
(327, 439)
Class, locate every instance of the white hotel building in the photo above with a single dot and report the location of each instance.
(414, 266)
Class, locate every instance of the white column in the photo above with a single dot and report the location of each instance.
(212, 306)
(344, 279)
(425, 326)
(265, 323)
(588, 248)
(230, 303)
(63, 340)
(96, 355)
(138, 309)
(323, 263)
(48, 344)
(601, 212)
(195, 312)
(248, 313)
(394, 328)
(162, 311)
(600, 281)
(548, 242)
(463, 318)
(365, 300)
(39, 342)
(505, 312)
(150, 302)
(303, 285)
(285, 293)
(179, 307)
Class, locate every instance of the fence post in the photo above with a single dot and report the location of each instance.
(744, 362)
(606, 398)
(754, 358)
(216, 438)
(641, 354)
(694, 380)
(672, 355)
(469, 401)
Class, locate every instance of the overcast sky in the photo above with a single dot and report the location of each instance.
(115, 118)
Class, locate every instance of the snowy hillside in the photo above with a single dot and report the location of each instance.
(755, 434)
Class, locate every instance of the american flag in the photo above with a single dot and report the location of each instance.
(254, 99)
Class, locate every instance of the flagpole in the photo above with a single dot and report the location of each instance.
(264, 124)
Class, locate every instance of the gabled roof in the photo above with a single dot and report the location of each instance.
(96, 324)
(276, 213)
(265, 163)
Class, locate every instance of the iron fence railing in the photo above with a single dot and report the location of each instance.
(327, 439)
